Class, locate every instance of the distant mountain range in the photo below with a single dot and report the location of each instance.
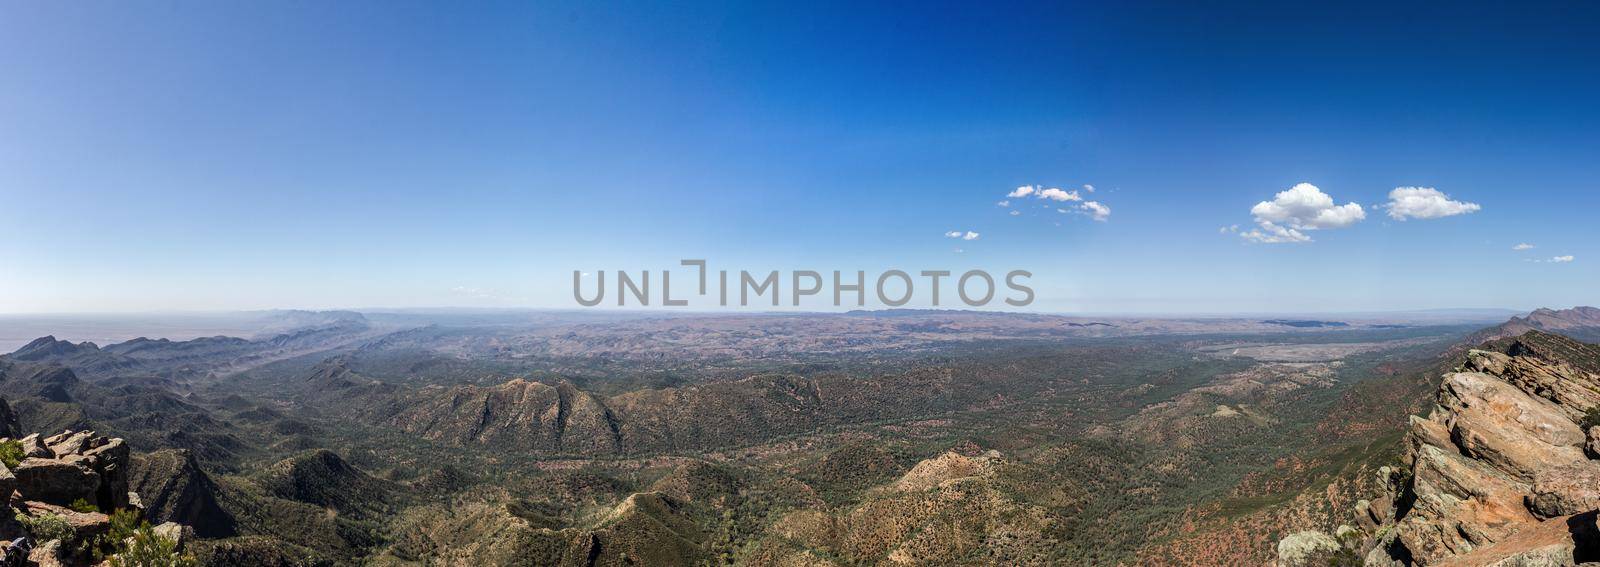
(923, 437)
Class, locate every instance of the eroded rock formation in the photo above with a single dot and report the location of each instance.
(1502, 470)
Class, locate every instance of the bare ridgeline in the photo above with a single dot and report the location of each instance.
(899, 437)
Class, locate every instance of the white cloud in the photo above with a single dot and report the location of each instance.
(1304, 207)
(1523, 246)
(1096, 210)
(1552, 260)
(1425, 203)
(1230, 229)
(970, 236)
(1055, 194)
(1273, 234)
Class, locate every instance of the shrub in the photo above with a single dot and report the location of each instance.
(11, 453)
(46, 526)
(146, 549)
(81, 505)
(1591, 418)
(124, 523)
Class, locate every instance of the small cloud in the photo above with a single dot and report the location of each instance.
(953, 234)
(1305, 207)
(1230, 229)
(1096, 210)
(1523, 246)
(1055, 194)
(1425, 203)
(958, 250)
(1552, 260)
(1302, 208)
(970, 236)
(1270, 233)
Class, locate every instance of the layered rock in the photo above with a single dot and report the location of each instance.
(1500, 472)
(74, 465)
(61, 496)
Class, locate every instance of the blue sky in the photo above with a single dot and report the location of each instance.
(188, 155)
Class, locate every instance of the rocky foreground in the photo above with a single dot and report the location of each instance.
(1504, 471)
(69, 504)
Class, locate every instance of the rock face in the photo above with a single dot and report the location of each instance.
(1500, 472)
(72, 466)
(60, 498)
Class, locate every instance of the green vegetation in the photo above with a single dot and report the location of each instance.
(46, 526)
(1591, 418)
(82, 505)
(145, 548)
(11, 453)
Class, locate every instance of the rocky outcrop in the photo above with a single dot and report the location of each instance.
(74, 465)
(1502, 470)
(61, 496)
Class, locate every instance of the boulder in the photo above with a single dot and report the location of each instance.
(1567, 490)
(56, 481)
(1365, 515)
(47, 554)
(112, 463)
(32, 446)
(177, 533)
(1304, 549)
(1381, 508)
(1499, 424)
(1382, 552)
(1591, 445)
(72, 442)
(1557, 542)
(1573, 391)
(1461, 504)
(86, 526)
